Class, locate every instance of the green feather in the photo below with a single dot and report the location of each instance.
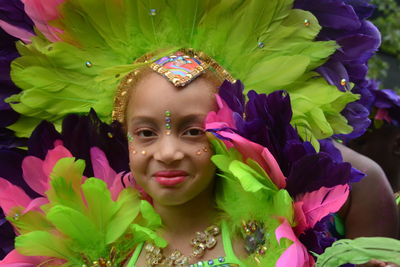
(79, 228)
(151, 218)
(29, 221)
(66, 181)
(126, 210)
(43, 243)
(112, 34)
(144, 234)
(360, 250)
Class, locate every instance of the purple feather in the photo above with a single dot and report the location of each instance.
(12, 12)
(79, 134)
(345, 22)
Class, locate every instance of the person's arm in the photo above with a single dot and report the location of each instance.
(371, 209)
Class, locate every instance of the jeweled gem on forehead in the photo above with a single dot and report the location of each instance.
(167, 115)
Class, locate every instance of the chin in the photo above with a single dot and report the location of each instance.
(171, 200)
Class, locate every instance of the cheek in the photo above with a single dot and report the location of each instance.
(136, 160)
(206, 166)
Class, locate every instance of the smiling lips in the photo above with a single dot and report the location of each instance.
(170, 178)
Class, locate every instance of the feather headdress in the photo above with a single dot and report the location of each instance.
(83, 48)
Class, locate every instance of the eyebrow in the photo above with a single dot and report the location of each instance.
(182, 121)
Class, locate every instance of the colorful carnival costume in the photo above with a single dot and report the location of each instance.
(267, 145)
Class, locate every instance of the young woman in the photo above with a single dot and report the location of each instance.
(233, 180)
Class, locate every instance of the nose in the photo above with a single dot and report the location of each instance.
(169, 150)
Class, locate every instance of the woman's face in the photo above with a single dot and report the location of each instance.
(171, 164)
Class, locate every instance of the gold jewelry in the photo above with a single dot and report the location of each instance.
(121, 96)
(201, 242)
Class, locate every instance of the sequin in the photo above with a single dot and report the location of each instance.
(88, 64)
(153, 12)
(343, 82)
(307, 23)
(261, 44)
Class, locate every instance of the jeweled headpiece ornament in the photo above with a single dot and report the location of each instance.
(179, 69)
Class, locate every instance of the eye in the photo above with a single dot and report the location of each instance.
(194, 132)
(145, 133)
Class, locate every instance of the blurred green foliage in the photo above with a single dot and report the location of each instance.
(388, 22)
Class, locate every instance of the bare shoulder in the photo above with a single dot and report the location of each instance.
(371, 210)
(361, 162)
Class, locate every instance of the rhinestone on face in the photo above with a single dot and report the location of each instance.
(307, 23)
(261, 44)
(129, 137)
(210, 262)
(168, 126)
(88, 64)
(221, 259)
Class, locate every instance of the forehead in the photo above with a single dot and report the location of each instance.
(153, 95)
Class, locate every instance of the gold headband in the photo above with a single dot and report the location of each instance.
(204, 62)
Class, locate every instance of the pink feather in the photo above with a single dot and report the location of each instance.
(36, 204)
(12, 196)
(383, 114)
(101, 167)
(20, 33)
(42, 12)
(259, 154)
(36, 172)
(300, 218)
(223, 118)
(33, 174)
(14, 259)
(53, 156)
(317, 204)
(296, 254)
